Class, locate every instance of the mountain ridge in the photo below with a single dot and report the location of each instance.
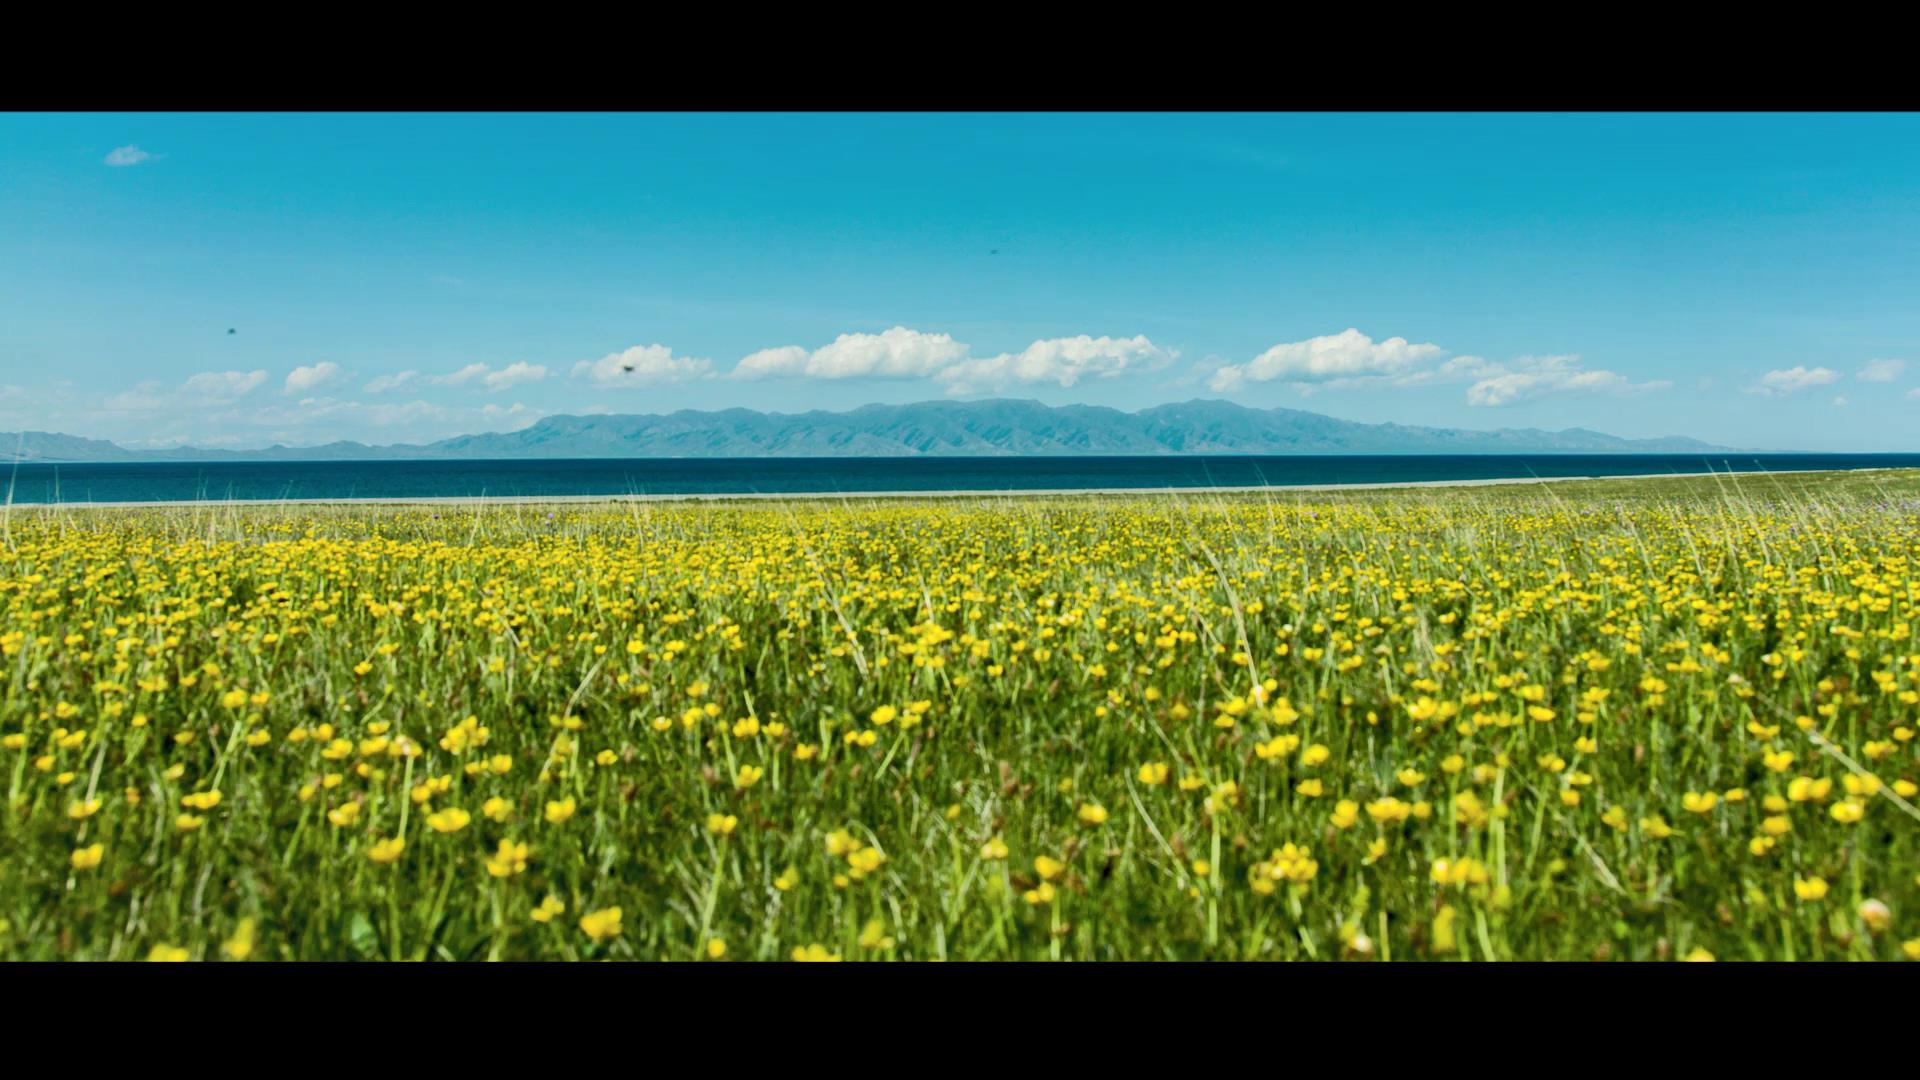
(993, 427)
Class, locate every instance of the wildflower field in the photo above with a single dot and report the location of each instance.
(1634, 720)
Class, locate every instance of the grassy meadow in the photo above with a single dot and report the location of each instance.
(1623, 720)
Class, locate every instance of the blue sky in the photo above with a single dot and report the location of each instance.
(1747, 279)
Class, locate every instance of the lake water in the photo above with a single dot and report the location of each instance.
(220, 481)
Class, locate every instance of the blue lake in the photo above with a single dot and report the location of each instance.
(221, 481)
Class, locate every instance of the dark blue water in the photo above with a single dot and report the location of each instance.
(150, 481)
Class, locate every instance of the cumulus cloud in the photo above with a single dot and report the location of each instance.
(1497, 384)
(513, 375)
(1881, 370)
(901, 353)
(208, 388)
(145, 397)
(898, 353)
(895, 353)
(213, 409)
(395, 381)
(1061, 361)
(379, 414)
(771, 363)
(642, 365)
(302, 380)
(122, 156)
(1352, 359)
(462, 377)
(1347, 355)
(324, 419)
(212, 386)
(484, 375)
(1793, 379)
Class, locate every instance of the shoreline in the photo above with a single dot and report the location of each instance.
(988, 493)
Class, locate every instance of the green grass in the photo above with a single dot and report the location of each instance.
(1679, 636)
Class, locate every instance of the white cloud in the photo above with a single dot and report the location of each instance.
(381, 414)
(324, 419)
(895, 353)
(504, 378)
(642, 365)
(202, 441)
(898, 353)
(768, 363)
(1881, 370)
(1062, 361)
(213, 409)
(1840, 400)
(303, 379)
(1352, 359)
(513, 375)
(462, 377)
(1497, 384)
(145, 397)
(1798, 377)
(218, 386)
(384, 383)
(1349, 354)
(1454, 369)
(122, 156)
(208, 388)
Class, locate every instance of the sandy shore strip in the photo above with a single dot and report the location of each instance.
(854, 496)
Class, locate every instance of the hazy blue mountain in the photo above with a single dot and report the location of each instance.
(53, 446)
(985, 428)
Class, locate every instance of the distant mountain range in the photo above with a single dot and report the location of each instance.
(952, 428)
